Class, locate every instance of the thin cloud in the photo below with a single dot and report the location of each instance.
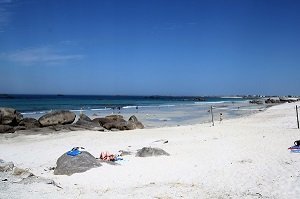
(41, 55)
(5, 14)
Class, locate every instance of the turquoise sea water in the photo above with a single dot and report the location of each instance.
(153, 111)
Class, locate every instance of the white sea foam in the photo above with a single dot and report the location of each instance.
(100, 109)
(127, 107)
(34, 113)
(78, 110)
(232, 97)
(219, 102)
(166, 105)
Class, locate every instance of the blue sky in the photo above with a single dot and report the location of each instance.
(150, 47)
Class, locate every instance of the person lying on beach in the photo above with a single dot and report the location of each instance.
(107, 156)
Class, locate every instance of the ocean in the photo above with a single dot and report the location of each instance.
(153, 111)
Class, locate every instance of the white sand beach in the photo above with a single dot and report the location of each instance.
(246, 157)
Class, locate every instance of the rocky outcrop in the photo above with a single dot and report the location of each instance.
(272, 101)
(122, 125)
(118, 125)
(109, 119)
(9, 116)
(29, 123)
(149, 151)
(87, 125)
(115, 117)
(68, 165)
(136, 122)
(84, 117)
(11, 121)
(288, 99)
(57, 117)
(6, 129)
(255, 101)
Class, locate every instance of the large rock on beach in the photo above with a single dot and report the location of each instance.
(121, 124)
(115, 117)
(29, 123)
(256, 101)
(118, 125)
(57, 117)
(9, 116)
(272, 101)
(149, 151)
(6, 129)
(136, 122)
(88, 125)
(84, 117)
(68, 165)
(109, 119)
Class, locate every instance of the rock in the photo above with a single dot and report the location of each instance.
(6, 129)
(133, 119)
(68, 165)
(108, 119)
(256, 101)
(288, 99)
(123, 125)
(136, 122)
(84, 118)
(29, 123)
(148, 151)
(115, 117)
(6, 166)
(57, 117)
(9, 116)
(272, 101)
(88, 125)
(116, 125)
(19, 128)
(21, 172)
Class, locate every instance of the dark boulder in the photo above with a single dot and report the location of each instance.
(116, 125)
(137, 124)
(287, 99)
(57, 117)
(29, 123)
(68, 165)
(84, 117)
(6, 129)
(9, 116)
(115, 117)
(107, 119)
(272, 101)
(84, 124)
(122, 125)
(255, 101)
(133, 119)
(148, 151)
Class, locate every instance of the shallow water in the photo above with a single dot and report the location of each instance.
(152, 111)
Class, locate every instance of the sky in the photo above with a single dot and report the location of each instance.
(150, 47)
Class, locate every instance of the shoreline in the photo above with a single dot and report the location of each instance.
(243, 157)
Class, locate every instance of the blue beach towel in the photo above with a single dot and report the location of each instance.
(73, 152)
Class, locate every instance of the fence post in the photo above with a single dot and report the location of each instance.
(297, 116)
(212, 115)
